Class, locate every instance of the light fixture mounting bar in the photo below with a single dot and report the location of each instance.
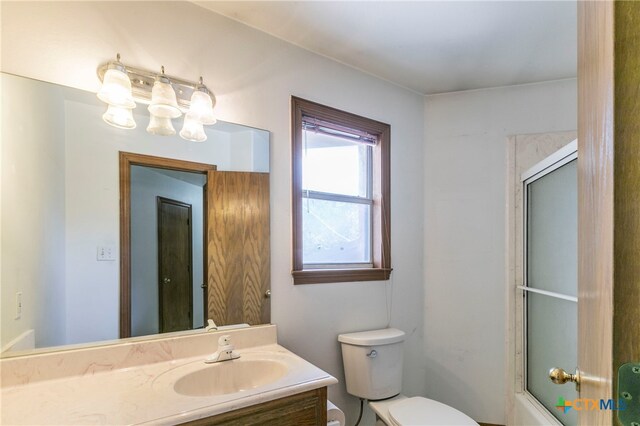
(142, 83)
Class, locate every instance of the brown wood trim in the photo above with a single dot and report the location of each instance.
(626, 259)
(165, 163)
(205, 250)
(381, 194)
(343, 118)
(324, 276)
(595, 204)
(126, 160)
(296, 183)
(125, 246)
(384, 154)
(302, 409)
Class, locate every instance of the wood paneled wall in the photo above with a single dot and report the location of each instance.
(239, 247)
(626, 300)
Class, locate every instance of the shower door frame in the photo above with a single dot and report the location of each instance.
(525, 401)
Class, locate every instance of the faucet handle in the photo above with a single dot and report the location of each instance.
(211, 325)
(224, 340)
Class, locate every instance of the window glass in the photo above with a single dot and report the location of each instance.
(336, 232)
(335, 165)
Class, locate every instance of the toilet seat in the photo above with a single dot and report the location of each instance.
(426, 412)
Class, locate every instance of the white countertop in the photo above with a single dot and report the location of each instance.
(143, 394)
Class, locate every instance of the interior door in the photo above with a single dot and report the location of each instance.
(238, 247)
(175, 286)
(596, 177)
(550, 287)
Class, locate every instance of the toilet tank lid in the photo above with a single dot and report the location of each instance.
(385, 336)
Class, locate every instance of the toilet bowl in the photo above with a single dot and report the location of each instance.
(404, 411)
(373, 371)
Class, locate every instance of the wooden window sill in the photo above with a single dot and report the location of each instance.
(323, 276)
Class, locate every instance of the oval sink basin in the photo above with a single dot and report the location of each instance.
(230, 377)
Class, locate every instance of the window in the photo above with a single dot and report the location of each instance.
(341, 217)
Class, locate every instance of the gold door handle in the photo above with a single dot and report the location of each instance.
(560, 377)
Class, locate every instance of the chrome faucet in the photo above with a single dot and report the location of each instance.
(225, 351)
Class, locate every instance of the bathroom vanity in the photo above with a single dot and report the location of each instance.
(166, 381)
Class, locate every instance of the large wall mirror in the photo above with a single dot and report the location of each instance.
(109, 233)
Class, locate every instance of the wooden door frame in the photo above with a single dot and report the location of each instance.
(159, 202)
(595, 204)
(126, 160)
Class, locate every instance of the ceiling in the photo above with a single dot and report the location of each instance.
(427, 46)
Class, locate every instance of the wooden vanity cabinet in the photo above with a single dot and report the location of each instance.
(302, 409)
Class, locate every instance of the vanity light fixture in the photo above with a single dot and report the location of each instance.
(163, 107)
(168, 98)
(200, 112)
(192, 129)
(116, 93)
(116, 86)
(161, 126)
(119, 117)
(202, 105)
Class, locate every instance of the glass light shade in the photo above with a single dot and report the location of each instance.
(202, 107)
(163, 100)
(116, 89)
(192, 129)
(161, 126)
(121, 118)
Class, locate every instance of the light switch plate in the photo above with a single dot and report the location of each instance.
(18, 305)
(106, 253)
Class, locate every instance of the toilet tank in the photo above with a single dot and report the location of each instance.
(373, 362)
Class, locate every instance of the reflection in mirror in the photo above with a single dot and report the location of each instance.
(167, 259)
(60, 220)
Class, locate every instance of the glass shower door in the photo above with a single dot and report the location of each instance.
(550, 282)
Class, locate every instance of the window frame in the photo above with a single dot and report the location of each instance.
(380, 193)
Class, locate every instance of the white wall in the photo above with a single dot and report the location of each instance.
(253, 76)
(146, 185)
(455, 349)
(250, 151)
(33, 228)
(464, 237)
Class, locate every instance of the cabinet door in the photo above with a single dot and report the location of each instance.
(303, 409)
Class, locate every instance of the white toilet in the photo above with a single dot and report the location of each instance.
(373, 371)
